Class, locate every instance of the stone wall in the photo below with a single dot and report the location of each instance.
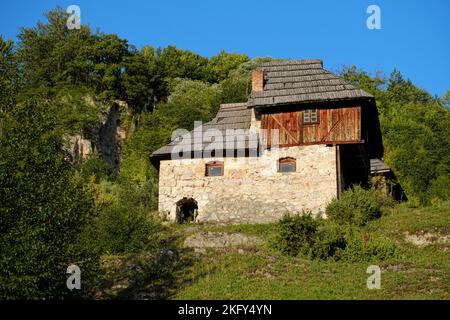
(251, 190)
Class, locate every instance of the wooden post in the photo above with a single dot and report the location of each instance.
(338, 171)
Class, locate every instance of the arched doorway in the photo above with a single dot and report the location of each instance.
(186, 210)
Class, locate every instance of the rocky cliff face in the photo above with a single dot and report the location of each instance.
(112, 133)
(77, 147)
(107, 137)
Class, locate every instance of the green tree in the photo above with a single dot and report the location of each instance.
(51, 56)
(403, 91)
(140, 82)
(106, 54)
(221, 64)
(43, 209)
(177, 63)
(415, 133)
(374, 85)
(9, 75)
(446, 99)
(48, 53)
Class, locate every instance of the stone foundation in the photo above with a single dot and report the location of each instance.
(251, 190)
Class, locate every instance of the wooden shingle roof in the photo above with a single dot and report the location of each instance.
(302, 81)
(231, 116)
(377, 166)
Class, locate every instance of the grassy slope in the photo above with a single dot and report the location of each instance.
(259, 273)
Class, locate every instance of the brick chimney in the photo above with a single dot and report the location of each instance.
(257, 80)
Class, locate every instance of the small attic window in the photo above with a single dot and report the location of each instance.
(310, 116)
(286, 165)
(214, 169)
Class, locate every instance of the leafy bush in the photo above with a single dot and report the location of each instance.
(356, 206)
(124, 225)
(366, 247)
(439, 189)
(317, 238)
(117, 229)
(295, 234)
(96, 167)
(329, 241)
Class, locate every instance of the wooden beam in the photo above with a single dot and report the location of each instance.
(338, 171)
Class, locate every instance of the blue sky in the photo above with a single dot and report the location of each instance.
(414, 36)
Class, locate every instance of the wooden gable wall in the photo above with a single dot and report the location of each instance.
(334, 126)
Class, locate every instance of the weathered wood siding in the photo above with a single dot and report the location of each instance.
(335, 126)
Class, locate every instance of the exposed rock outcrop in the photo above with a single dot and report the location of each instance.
(106, 137)
(77, 147)
(112, 133)
(422, 239)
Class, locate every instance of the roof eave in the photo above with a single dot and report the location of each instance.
(250, 105)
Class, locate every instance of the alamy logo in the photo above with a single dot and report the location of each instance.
(74, 280)
(74, 19)
(374, 281)
(374, 20)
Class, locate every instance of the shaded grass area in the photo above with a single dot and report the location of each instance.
(148, 275)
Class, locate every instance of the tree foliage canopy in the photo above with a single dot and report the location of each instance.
(415, 133)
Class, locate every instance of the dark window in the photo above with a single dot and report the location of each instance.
(214, 168)
(310, 116)
(286, 165)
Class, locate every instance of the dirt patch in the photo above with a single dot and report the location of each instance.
(406, 269)
(220, 240)
(423, 238)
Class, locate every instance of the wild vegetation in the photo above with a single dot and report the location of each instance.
(260, 272)
(56, 82)
(340, 236)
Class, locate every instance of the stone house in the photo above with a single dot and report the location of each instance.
(303, 136)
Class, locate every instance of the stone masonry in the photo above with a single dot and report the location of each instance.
(251, 190)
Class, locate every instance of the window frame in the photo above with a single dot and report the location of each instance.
(309, 113)
(214, 164)
(287, 160)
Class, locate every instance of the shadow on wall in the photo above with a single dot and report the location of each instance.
(187, 210)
